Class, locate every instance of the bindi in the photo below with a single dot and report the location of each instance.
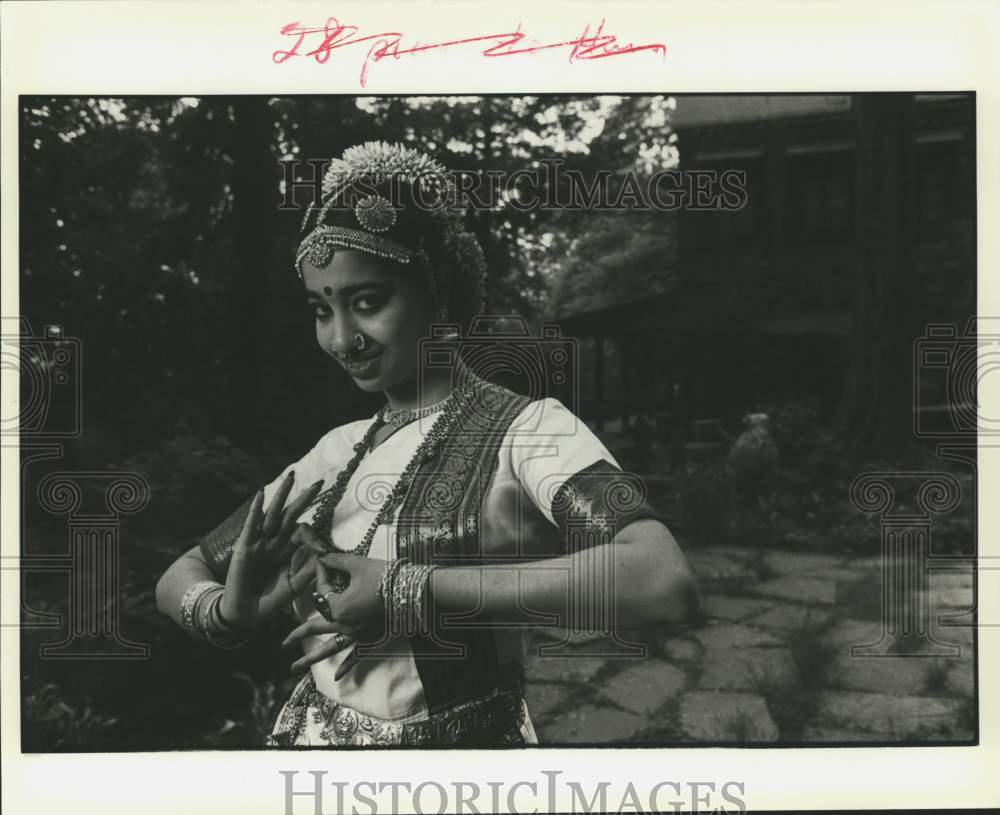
(327, 291)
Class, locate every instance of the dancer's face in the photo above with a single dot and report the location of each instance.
(358, 293)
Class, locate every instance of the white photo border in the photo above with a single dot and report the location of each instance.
(195, 48)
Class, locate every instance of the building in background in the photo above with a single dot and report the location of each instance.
(763, 306)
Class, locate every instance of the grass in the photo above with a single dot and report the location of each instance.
(794, 706)
(936, 677)
(862, 599)
(762, 565)
(737, 726)
(665, 730)
(61, 720)
(967, 715)
(811, 652)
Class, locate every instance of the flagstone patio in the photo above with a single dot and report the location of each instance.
(771, 662)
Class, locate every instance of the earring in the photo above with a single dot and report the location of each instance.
(360, 341)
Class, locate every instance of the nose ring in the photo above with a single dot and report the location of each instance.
(360, 341)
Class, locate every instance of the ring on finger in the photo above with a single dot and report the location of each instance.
(322, 606)
(288, 573)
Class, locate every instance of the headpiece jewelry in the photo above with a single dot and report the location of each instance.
(355, 212)
(375, 213)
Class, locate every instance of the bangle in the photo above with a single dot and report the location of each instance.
(190, 606)
(384, 590)
(423, 605)
(407, 594)
(228, 638)
(224, 623)
(200, 614)
(204, 609)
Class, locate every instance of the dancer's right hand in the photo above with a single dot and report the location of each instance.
(258, 583)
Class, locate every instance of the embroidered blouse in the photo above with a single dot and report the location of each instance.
(548, 485)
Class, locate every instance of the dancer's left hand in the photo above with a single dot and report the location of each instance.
(354, 614)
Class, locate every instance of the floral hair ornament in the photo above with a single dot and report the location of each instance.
(361, 208)
(363, 168)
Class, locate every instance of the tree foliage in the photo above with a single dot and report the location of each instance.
(151, 230)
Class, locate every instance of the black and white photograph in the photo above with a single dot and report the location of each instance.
(384, 422)
(621, 384)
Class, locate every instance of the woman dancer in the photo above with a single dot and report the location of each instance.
(415, 546)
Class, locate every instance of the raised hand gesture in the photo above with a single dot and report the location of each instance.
(259, 584)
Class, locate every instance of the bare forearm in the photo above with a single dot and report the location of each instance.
(639, 580)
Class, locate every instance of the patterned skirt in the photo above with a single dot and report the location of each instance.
(309, 718)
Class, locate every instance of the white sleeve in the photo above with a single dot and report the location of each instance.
(548, 444)
(217, 545)
(330, 453)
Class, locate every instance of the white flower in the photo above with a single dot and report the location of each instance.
(379, 160)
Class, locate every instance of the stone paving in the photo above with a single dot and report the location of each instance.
(772, 662)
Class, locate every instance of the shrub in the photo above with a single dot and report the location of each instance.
(196, 482)
(705, 498)
(795, 426)
(61, 720)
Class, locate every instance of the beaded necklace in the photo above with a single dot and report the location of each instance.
(327, 502)
(399, 418)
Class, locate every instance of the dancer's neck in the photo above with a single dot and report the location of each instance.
(415, 394)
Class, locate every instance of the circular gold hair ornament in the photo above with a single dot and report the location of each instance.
(375, 213)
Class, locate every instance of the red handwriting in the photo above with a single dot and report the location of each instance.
(333, 35)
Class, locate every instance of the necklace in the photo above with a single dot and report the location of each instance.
(399, 418)
(451, 409)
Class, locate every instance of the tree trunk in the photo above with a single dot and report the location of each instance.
(254, 208)
(876, 407)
